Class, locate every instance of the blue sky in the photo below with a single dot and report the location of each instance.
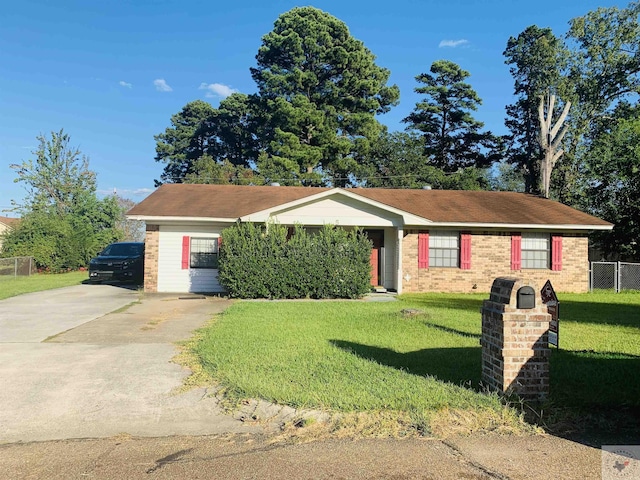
(111, 73)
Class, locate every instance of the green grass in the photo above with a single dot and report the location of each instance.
(598, 363)
(367, 357)
(11, 286)
(351, 357)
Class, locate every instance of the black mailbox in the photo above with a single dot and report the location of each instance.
(526, 297)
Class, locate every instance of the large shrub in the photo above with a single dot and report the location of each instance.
(61, 242)
(261, 262)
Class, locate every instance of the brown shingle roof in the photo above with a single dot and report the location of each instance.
(466, 206)
(218, 201)
(9, 221)
(449, 206)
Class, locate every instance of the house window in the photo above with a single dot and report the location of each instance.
(535, 250)
(204, 253)
(444, 249)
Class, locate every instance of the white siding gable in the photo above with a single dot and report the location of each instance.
(337, 210)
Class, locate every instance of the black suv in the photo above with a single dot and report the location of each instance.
(122, 262)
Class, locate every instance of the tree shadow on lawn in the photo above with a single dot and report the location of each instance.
(469, 304)
(460, 366)
(595, 397)
(453, 331)
(623, 314)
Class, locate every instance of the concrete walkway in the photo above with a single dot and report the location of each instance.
(101, 377)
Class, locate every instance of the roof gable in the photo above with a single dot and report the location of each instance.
(336, 206)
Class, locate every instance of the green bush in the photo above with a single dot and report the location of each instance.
(60, 242)
(261, 262)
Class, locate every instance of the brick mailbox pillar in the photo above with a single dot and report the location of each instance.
(515, 344)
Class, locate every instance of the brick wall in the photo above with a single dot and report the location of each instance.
(515, 342)
(151, 258)
(491, 258)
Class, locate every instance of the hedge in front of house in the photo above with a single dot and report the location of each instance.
(260, 262)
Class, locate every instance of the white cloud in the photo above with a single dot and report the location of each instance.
(453, 43)
(126, 193)
(141, 191)
(217, 90)
(122, 83)
(161, 85)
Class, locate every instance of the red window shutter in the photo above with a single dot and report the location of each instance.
(185, 252)
(465, 251)
(516, 251)
(423, 250)
(556, 252)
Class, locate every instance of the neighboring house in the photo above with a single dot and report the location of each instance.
(423, 240)
(6, 224)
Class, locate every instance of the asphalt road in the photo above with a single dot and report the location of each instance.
(256, 457)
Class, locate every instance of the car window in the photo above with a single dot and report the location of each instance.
(122, 250)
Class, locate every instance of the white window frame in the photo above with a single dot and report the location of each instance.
(535, 250)
(202, 246)
(444, 248)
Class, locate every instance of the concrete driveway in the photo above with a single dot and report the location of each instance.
(34, 317)
(100, 374)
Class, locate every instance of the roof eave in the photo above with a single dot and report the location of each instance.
(179, 219)
(413, 222)
(521, 226)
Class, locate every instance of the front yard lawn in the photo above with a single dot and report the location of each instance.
(11, 286)
(367, 357)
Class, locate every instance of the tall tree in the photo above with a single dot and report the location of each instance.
(397, 160)
(226, 135)
(452, 137)
(185, 141)
(321, 90)
(613, 169)
(537, 61)
(595, 69)
(550, 138)
(604, 68)
(606, 61)
(57, 178)
(63, 222)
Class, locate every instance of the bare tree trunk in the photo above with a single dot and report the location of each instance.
(550, 138)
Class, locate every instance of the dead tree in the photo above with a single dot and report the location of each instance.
(550, 139)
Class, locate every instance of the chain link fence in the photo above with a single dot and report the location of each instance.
(615, 276)
(17, 266)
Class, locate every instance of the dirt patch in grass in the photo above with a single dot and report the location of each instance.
(187, 357)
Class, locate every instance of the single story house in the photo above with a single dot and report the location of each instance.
(423, 240)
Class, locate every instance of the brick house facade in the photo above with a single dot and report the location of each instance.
(426, 240)
(490, 258)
